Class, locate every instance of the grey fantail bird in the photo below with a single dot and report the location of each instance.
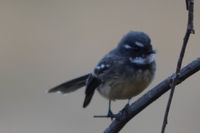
(122, 73)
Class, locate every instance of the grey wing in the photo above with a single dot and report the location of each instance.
(92, 83)
(71, 85)
(103, 66)
(95, 79)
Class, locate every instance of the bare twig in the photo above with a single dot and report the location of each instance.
(189, 7)
(180, 75)
(128, 112)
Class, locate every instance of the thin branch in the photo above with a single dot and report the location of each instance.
(189, 7)
(128, 112)
(180, 75)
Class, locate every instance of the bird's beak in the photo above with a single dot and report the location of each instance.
(152, 51)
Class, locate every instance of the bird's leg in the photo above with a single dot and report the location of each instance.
(129, 100)
(127, 106)
(109, 114)
(128, 103)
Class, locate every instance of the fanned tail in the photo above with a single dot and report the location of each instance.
(71, 85)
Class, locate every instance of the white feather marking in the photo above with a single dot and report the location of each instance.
(102, 66)
(139, 44)
(98, 67)
(141, 60)
(126, 46)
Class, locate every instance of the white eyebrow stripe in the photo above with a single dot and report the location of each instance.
(139, 44)
(127, 46)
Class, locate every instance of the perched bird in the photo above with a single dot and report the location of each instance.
(122, 73)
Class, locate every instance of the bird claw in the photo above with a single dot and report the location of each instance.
(109, 115)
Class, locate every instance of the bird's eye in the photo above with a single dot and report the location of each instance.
(136, 48)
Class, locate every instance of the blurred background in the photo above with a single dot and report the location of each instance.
(46, 42)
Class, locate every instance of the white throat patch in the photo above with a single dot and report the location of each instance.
(142, 61)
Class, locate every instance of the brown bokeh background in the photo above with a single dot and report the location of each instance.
(46, 42)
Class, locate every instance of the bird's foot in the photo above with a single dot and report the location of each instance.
(109, 115)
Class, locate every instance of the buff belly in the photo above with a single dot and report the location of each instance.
(122, 88)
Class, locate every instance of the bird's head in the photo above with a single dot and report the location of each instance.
(137, 47)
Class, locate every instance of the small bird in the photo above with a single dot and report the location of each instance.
(122, 73)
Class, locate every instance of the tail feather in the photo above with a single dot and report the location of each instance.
(71, 85)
